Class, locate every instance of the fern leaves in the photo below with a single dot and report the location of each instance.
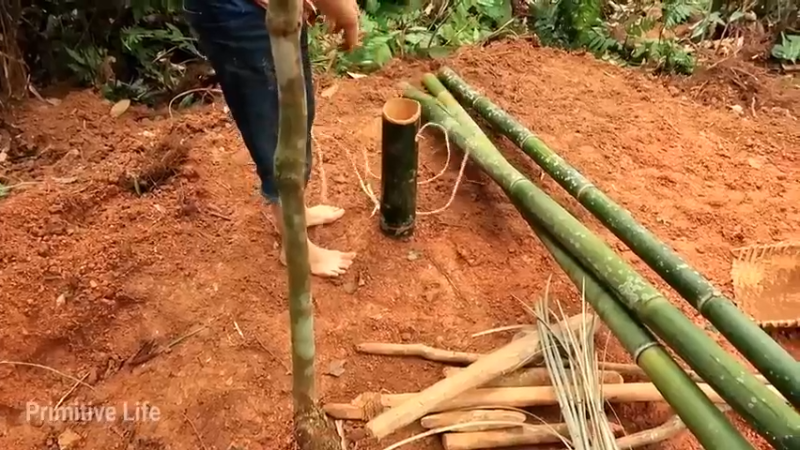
(581, 24)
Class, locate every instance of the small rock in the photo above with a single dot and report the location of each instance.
(755, 163)
(738, 109)
(68, 439)
(413, 255)
(335, 368)
(61, 300)
(405, 337)
(361, 280)
(93, 377)
(92, 284)
(350, 287)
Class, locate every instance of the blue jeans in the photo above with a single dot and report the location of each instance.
(234, 37)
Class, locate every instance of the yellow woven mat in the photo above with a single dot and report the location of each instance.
(766, 283)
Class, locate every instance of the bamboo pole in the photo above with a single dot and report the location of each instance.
(283, 20)
(768, 356)
(766, 411)
(705, 420)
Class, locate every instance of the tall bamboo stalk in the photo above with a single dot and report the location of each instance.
(772, 360)
(711, 428)
(766, 411)
(312, 429)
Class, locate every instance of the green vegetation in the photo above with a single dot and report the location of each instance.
(414, 28)
(144, 51)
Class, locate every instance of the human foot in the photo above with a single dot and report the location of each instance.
(324, 262)
(322, 215)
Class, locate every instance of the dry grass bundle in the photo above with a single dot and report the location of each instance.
(579, 391)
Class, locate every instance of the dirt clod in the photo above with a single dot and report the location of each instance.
(68, 440)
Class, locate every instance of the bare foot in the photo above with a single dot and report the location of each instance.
(324, 262)
(322, 215)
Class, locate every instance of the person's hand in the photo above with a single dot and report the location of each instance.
(342, 16)
(308, 7)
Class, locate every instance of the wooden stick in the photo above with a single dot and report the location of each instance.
(418, 350)
(506, 359)
(667, 430)
(465, 358)
(511, 437)
(476, 415)
(636, 371)
(534, 376)
(519, 397)
(529, 435)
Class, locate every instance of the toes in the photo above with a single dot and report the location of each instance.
(330, 272)
(323, 214)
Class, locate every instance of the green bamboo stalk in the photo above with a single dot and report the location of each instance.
(767, 412)
(446, 99)
(311, 427)
(708, 424)
(772, 360)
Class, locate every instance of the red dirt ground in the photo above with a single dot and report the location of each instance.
(91, 271)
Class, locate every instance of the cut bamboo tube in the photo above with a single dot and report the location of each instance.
(535, 376)
(511, 437)
(506, 359)
(476, 415)
(518, 397)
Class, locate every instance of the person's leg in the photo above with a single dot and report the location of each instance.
(319, 214)
(234, 37)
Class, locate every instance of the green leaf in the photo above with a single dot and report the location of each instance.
(417, 38)
(440, 52)
(788, 49)
(372, 6)
(738, 14)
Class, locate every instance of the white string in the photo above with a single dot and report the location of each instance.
(367, 188)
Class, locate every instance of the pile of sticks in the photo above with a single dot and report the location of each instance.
(482, 405)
